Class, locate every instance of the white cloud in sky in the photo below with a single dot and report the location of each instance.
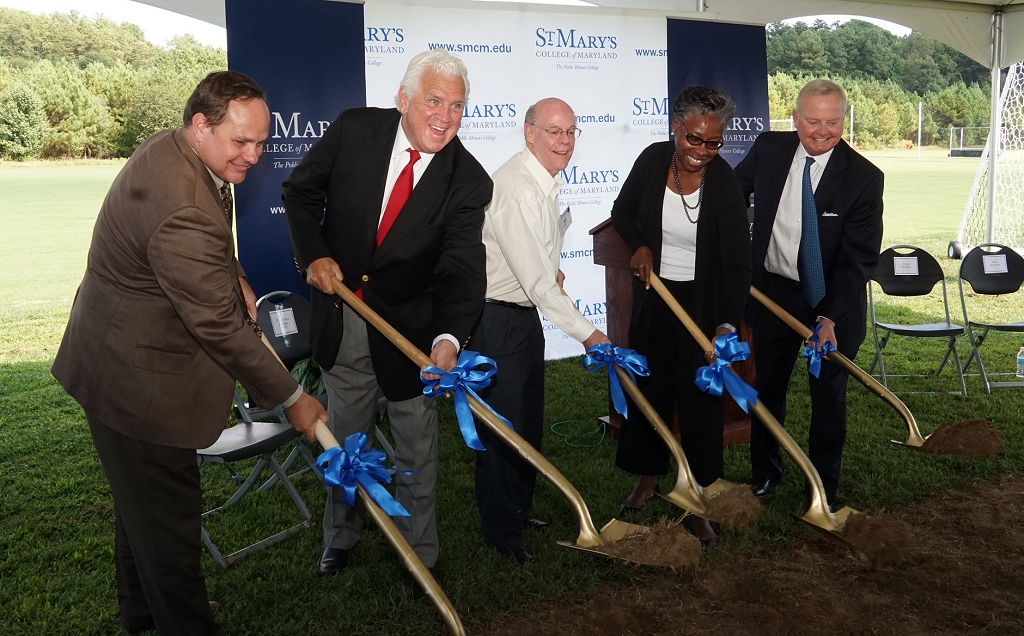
(892, 27)
(159, 25)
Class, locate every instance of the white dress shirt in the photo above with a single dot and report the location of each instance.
(523, 238)
(678, 236)
(784, 245)
(399, 159)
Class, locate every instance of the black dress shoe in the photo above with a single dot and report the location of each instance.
(530, 523)
(522, 556)
(332, 561)
(761, 487)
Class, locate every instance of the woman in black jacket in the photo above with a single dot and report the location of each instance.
(682, 213)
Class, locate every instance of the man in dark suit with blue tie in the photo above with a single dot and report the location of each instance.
(816, 236)
(390, 202)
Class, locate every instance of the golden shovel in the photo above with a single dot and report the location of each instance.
(818, 514)
(387, 526)
(914, 437)
(589, 538)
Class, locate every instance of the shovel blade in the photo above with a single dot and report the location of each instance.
(911, 443)
(613, 531)
(830, 527)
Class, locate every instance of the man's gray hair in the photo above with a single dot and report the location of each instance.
(700, 100)
(441, 62)
(818, 88)
(531, 114)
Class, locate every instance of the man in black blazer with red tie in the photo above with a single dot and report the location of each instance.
(390, 202)
(816, 236)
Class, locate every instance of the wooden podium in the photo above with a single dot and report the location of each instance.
(611, 251)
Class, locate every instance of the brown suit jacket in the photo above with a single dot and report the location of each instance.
(157, 334)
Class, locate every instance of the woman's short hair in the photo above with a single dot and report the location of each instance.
(441, 62)
(701, 100)
(819, 87)
(216, 91)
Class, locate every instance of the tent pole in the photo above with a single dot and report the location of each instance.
(995, 125)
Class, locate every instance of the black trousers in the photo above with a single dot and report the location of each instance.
(776, 348)
(157, 507)
(673, 357)
(514, 339)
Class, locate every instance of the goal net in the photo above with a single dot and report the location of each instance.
(1008, 145)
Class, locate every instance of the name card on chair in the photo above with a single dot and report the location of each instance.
(283, 321)
(995, 264)
(905, 265)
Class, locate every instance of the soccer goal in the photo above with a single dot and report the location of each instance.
(967, 141)
(1007, 142)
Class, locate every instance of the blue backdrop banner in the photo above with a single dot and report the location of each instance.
(308, 56)
(728, 57)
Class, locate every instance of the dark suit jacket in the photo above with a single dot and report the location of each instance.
(429, 275)
(722, 267)
(849, 203)
(157, 334)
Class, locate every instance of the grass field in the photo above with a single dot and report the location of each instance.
(56, 516)
(924, 198)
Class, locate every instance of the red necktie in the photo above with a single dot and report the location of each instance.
(399, 195)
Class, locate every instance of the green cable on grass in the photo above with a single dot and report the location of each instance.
(601, 429)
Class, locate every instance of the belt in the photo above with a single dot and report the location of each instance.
(502, 303)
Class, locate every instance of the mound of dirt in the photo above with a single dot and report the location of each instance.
(974, 438)
(963, 577)
(736, 508)
(882, 541)
(667, 544)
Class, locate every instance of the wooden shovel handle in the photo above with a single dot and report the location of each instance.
(680, 313)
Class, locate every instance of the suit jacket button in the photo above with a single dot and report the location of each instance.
(365, 278)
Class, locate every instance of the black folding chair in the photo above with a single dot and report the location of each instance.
(284, 318)
(906, 270)
(992, 270)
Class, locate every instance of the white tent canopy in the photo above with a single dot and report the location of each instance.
(975, 27)
(991, 32)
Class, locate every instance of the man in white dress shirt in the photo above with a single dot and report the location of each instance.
(523, 234)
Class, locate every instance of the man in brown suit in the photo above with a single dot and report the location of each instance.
(159, 332)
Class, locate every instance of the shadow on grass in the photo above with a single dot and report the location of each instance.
(56, 517)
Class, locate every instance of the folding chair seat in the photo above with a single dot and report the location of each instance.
(991, 269)
(906, 271)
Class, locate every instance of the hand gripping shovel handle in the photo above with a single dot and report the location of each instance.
(589, 536)
(391, 531)
(818, 513)
(914, 437)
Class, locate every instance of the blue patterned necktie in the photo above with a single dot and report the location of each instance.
(812, 275)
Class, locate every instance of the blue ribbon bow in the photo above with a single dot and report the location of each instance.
(717, 376)
(813, 355)
(464, 379)
(348, 465)
(604, 355)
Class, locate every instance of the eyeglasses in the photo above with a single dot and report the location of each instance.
(694, 140)
(555, 132)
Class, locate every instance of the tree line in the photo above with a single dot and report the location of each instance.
(885, 77)
(72, 86)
